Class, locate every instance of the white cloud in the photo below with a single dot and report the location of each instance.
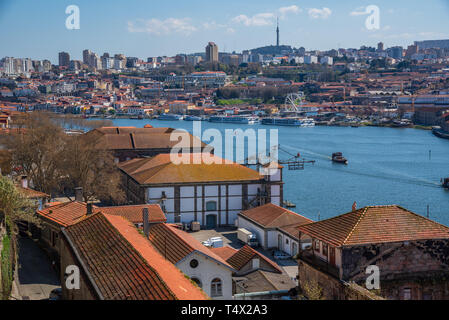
(284, 11)
(316, 13)
(162, 27)
(258, 20)
(212, 25)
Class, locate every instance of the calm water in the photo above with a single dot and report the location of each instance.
(386, 166)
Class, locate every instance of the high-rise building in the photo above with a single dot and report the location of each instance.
(64, 59)
(380, 46)
(86, 56)
(411, 50)
(212, 52)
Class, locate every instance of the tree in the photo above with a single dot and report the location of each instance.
(57, 163)
(91, 167)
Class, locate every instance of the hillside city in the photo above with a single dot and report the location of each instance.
(97, 211)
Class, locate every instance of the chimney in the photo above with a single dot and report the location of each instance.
(79, 194)
(24, 182)
(354, 206)
(146, 222)
(89, 209)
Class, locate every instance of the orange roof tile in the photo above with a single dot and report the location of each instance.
(239, 259)
(379, 224)
(175, 244)
(122, 263)
(160, 169)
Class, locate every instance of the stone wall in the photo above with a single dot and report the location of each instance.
(330, 287)
(421, 266)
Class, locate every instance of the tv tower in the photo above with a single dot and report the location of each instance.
(277, 33)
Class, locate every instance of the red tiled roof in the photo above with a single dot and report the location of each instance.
(161, 170)
(123, 264)
(134, 213)
(224, 252)
(30, 193)
(175, 244)
(375, 225)
(273, 216)
(68, 213)
(245, 255)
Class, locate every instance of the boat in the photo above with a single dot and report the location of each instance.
(170, 117)
(291, 122)
(440, 133)
(289, 204)
(445, 183)
(193, 118)
(338, 158)
(234, 119)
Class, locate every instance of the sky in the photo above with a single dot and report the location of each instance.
(148, 28)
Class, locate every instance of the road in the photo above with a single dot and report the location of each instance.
(35, 277)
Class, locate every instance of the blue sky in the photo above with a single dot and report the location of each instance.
(145, 28)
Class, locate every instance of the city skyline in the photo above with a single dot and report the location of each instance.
(143, 31)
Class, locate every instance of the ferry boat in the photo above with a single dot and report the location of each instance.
(234, 119)
(193, 118)
(292, 122)
(445, 183)
(338, 158)
(170, 117)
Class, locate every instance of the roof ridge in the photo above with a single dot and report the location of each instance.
(365, 210)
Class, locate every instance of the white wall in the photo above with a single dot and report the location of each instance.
(207, 271)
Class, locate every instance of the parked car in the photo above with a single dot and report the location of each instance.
(279, 255)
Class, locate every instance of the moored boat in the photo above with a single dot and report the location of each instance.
(289, 121)
(170, 117)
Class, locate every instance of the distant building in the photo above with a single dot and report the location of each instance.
(380, 46)
(212, 52)
(428, 44)
(64, 59)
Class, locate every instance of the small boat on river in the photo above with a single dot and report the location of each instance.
(337, 157)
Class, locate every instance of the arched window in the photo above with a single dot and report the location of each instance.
(216, 288)
(197, 281)
(211, 206)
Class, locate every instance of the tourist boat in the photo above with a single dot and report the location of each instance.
(193, 118)
(440, 133)
(234, 119)
(292, 122)
(445, 183)
(338, 158)
(170, 117)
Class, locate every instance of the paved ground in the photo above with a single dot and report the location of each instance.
(229, 236)
(35, 277)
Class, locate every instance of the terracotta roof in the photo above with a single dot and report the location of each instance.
(175, 244)
(273, 216)
(160, 169)
(245, 255)
(65, 214)
(379, 224)
(30, 193)
(224, 252)
(122, 138)
(123, 265)
(68, 213)
(134, 213)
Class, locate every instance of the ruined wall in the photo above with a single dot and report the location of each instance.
(420, 266)
(330, 287)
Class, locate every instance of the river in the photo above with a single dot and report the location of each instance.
(386, 166)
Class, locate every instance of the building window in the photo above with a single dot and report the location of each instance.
(316, 245)
(194, 263)
(407, 293)
(211, 206)
(216, 288)
(325, 249)
(197, 281)
(286, 241)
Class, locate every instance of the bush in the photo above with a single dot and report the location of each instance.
(7, 268)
